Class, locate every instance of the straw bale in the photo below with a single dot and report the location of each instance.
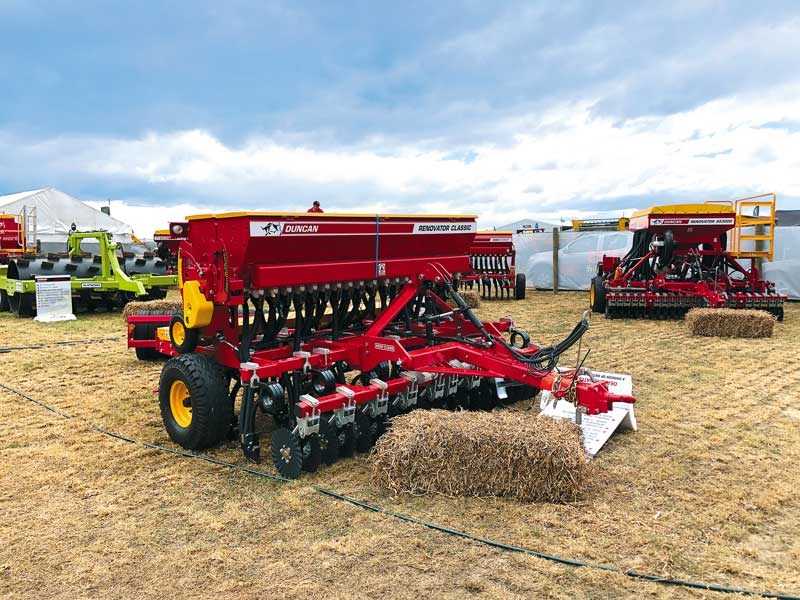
(728, 322)
(504, 453)
(471, 297)
(152, 307)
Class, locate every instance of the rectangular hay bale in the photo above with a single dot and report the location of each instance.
(153, 307)
(728, 322)
(505, 453)
(471, 297)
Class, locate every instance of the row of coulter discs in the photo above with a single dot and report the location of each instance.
(637, 310)
(290, 454)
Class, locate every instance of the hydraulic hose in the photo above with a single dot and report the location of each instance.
(545, 359)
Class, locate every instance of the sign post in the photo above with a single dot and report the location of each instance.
(54, 299)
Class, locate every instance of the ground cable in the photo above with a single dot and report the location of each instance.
(62, 343)
(409, 519)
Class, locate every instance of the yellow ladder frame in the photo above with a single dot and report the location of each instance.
(768, 201)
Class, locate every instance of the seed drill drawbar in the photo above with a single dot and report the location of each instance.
(331, 324)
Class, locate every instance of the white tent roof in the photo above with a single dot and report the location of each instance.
(57, 211)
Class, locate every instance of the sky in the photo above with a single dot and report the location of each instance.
(503, 109)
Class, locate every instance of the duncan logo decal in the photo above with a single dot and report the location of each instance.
(273, 228)
(266, 229)
(287, 228)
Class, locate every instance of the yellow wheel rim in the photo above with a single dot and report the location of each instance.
(180, 403)
(591, 294)
(178, 333)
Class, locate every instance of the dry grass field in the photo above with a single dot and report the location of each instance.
(706, 490)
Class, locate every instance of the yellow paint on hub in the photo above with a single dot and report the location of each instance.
(178, 333)
(180, 403)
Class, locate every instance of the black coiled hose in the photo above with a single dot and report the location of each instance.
(544, 359)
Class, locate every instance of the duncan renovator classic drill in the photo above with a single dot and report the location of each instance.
(331, 324)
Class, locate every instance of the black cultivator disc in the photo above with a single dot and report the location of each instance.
(287, 455)
(348, 439)
(486, 397)
(367, 431)
(312, 454)
(328, 442)
(461, 400)
(425, 400)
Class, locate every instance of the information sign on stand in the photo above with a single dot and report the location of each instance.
(54, 299)
(597, 429)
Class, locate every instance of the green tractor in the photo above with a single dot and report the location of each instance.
(109, 279)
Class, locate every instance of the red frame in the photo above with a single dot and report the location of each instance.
(493, 243)
(226, 258)
(689, 232)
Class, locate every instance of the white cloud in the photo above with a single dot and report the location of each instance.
(561, 159)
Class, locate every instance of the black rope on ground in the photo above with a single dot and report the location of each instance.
(62, 343)
(409, 519)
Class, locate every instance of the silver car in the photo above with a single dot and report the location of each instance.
(577, 259)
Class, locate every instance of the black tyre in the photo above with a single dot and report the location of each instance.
(183, 339)
(519, 287)
(146, 331)
(157, 293)
(21, 304)
(195, 406)
(597, 295)
(4, 301)
(486, 397)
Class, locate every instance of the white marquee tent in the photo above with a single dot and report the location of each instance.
(57, 211)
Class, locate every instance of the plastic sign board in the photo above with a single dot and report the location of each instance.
(597, 429)
(54, 299)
